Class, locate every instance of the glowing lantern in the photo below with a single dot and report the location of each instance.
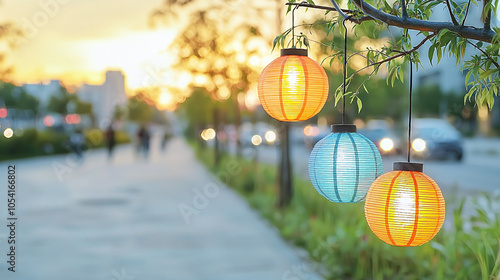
(405, 207)
(293, 87)
(344, 164)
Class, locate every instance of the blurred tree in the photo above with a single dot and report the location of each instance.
(431, 101)
(141, 109)
(17, 97)
(198, 111)
(10, 34)
(60, 103)
(221, 61)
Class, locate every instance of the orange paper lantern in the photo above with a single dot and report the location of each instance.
(293, 87)
(405, 207)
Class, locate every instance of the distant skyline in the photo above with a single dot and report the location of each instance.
(77, 41)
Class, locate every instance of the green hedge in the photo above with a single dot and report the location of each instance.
(338, 237)
(32, 143)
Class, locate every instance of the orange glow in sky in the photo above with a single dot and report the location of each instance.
(77, 41)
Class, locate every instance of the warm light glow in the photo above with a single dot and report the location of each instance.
(252, 98)
(256, 140)
(405, 208)
(386, 144)
(166, 101)
(311, 131)
(223, 93)
(270, 136)
(293, 88)
(3, 113)
(482, 112)
(8, 133)
(359, 123)
(208, 134)
(418, 145)
(49, 121)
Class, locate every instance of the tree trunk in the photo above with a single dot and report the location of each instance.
(216, 127)
(285, 174)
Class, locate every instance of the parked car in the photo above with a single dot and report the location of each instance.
(437, 139)
(383, 138)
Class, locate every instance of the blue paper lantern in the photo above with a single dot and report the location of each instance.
(344, 164)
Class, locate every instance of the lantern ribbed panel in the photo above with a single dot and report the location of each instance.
(405, 208)
(342, 166)
(293, 88)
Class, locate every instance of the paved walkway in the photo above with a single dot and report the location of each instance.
(123, 221)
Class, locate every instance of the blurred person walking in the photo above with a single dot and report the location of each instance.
(166, 137)
(144, 137)
(76, 142)
(110, 140)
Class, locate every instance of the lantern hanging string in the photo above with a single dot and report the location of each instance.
(293, 25)
(345, 69)
(409, 115)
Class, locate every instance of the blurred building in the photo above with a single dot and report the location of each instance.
(106, 97)
(43, 91)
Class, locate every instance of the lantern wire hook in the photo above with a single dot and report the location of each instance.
(293, 25)
(345, 69)
(409, 115)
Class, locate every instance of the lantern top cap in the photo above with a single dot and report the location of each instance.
(294, 51)
(408, 166)
(342, 128)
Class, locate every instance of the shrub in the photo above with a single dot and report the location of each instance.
(337, 235)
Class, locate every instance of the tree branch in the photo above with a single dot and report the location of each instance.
(485, 54)
(326, 8)
(398, 55)
(453, 19)
(356, 16)
(480, 34)
(342, 14)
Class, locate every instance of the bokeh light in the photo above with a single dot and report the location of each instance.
(3, 113)
(418, 145)
(8, 133)
(311, 131)
(73, 119)
(208, 134)
(49, 121)
(386, 144)
(256, 140)
(270, 136)
(166, 101)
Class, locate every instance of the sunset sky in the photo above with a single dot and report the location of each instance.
(76, 41)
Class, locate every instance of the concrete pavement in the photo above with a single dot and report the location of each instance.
(123, 220)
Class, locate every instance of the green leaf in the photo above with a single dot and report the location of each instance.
(338, 95)
(487, 73)
(360, 104)
(275, 42)
(439, 53)
(306, 41)
(432, 48)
